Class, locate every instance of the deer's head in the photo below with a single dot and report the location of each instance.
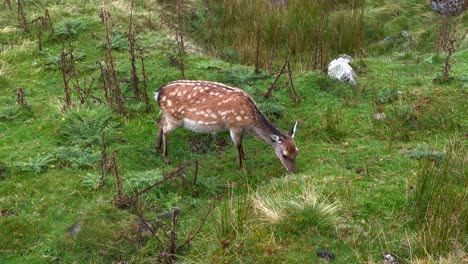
(285, 149)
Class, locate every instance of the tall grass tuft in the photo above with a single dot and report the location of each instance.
(286, 30)
(297, 212)
(233, 215)
(332, 127)
(439, 201)
(407, 115)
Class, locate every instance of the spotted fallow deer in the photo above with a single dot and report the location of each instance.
(209, 107)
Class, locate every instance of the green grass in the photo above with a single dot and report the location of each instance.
(365, 187)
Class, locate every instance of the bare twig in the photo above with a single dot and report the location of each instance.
(110, 63)
(67, 65)
(171, 175)
(257, 51)
(211, 26)
(20, 99)
(104, 160)
(22, 17)
(292, 90)
(268, 92)
(39, 39)
(85, 92)
(173, 234)
(180, 38)
(48, 21)
(132, 44)
(450, 48)
(318, 48)
(190, 238)
(8, 3)
(106, 79)
(145, 81)
(443, 34)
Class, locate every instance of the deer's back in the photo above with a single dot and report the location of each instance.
(206, 106)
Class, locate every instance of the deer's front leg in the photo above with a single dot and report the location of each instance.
(236, 136)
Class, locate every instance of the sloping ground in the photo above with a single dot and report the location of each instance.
(365, 187)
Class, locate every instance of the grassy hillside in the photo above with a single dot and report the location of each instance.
(73, 173)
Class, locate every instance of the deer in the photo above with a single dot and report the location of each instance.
(210, 107)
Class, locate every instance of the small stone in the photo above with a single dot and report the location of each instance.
(75, 228)
(390, 259)
(379, 116)
(325, 255)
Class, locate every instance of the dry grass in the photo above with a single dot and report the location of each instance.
(286, 206)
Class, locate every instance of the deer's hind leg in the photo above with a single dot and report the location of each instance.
(166, 125)
(159, 136)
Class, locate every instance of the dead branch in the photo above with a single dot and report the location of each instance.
(145, 80)
(8, 3)
(67, 65)
(257, 51)
(20, 99)
(110, 63)
(180, 38)
(132, 43)
(292, 90)
(268, 92)
(178, 172)
(190, 238)
(104, 160)
(22, 17)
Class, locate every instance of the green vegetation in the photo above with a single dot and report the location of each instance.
(74, 178)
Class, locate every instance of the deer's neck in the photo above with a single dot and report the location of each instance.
(264, 129)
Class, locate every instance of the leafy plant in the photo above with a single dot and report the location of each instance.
(50, 59)
(15, 113)
(69, 28)
(76, 157)
(387, 96)
(138, 180)
(84, 126)
(119, 41)
(426, 152)
(37, 164)
(242, 76)
(91, 180)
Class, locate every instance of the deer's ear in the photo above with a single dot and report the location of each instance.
(275, 139)
(293, 130)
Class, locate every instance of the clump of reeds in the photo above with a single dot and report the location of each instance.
(438, 201)
(265, 33)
